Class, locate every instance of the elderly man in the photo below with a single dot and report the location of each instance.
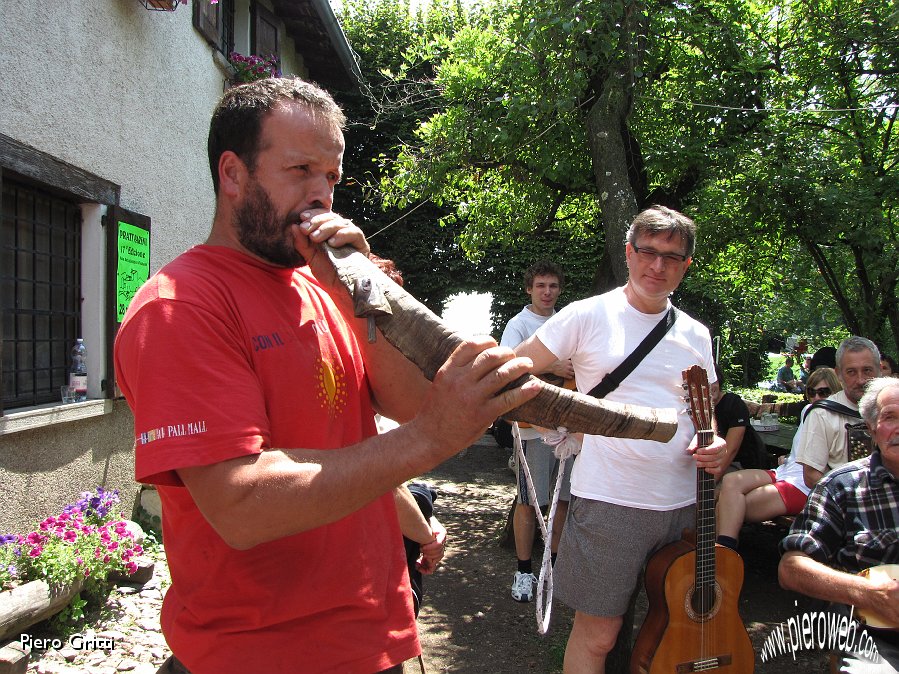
(823, 442)
(629, 497)
(851, 523)
(254, 398)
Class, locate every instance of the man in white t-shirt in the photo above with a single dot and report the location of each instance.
(629, 497)
(543, 282)
(823, 443)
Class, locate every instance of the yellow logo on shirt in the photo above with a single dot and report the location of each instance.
(332, 389)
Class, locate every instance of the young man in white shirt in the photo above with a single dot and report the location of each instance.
(543, 282)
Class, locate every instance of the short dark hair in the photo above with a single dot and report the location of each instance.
(663, 220)
(236, 123)
(719, 376)
(542, 268)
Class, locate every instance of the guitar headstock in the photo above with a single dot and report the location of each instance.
(696, 383)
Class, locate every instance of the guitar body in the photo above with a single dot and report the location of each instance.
(673, 638)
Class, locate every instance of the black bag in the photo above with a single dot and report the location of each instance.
(424, 495)
(502, 433)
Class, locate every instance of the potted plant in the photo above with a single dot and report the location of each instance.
(45, 571)
(252, 68)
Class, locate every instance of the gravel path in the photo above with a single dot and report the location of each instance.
(468, 622)
(122, 636)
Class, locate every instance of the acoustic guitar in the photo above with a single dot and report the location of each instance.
(881, 572)
(693, 585)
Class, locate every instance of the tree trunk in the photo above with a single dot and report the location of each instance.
(28, 604)
(618, 205)
(607, 124)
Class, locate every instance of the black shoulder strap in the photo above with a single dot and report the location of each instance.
(832, 406)
(614, 378)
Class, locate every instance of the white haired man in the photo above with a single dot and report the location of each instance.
(851, 523)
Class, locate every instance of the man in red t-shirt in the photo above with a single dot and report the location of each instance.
(253, 399)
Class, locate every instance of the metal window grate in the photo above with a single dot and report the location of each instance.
(40, 292)
(227, 10)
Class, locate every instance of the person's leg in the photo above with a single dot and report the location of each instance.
(172, 666)
(731, 507)
(564, 499)
(558, 525)
(524, 526)
(603, 550)
(764, 503)
(591, 639)
(539, 460)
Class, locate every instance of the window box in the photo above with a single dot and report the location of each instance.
(161, 5)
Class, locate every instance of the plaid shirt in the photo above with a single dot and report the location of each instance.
(850, 520)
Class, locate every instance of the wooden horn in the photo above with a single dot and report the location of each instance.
(423, 338)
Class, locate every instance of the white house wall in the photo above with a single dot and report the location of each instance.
(126, 94)
(122, 92)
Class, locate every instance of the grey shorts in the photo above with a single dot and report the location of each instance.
(544, 467)
(604, 550)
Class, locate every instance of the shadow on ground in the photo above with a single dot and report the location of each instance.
(470, 623)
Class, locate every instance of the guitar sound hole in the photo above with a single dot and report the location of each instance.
(702, 604)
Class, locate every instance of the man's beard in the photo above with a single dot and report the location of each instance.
(262, 232)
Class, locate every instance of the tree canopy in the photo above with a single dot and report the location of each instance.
(513, 129)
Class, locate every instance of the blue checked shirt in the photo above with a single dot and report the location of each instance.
(850, 520)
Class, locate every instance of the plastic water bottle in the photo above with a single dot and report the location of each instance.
(78, 372)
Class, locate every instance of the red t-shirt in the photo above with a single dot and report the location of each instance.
(219, 356)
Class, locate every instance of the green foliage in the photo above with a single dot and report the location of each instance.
(770, 123)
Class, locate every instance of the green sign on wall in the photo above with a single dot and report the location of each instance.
(133, 256)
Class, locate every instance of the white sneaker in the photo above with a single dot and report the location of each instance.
(523, 586)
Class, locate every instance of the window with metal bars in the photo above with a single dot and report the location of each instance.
(40, 292)
(216, 23)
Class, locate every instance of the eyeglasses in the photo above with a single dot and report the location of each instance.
(649, 255)
(822, 392)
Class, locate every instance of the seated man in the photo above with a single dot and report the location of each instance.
(849, 524)
(760, 495)
(786, 380)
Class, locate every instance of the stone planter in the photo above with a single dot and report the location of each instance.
(23, 606)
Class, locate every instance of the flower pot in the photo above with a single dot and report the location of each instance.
(23, 606)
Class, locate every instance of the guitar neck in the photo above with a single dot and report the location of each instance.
(705, 520)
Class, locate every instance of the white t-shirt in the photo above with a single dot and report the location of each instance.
(597, 334)
(823, 445)
(521, 326)
(790, 471)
